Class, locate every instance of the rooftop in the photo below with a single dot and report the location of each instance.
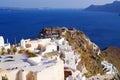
(13, 61)
(20, 62)
(41, 66)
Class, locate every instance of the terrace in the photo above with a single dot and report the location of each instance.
(10, 62)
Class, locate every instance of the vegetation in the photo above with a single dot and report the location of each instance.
(4, 77)
(67, 73)
(85, 74)
(22, 50)
(31, 54)
(78, 40)
(2, 51)
(14, 50)
(9, 51)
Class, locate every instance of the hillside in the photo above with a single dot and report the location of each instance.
(90, 54)
(88, 51)
(112, 7)
(112, 55)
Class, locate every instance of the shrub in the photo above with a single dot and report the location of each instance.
(31, 54)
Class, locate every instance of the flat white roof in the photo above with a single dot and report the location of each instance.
(41, 66)
(13, 64)
(12, 61)
(20, 62)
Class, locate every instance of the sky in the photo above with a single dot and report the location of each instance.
(52, 3)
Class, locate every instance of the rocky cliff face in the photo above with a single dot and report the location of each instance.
(112, 55)
(89, 52)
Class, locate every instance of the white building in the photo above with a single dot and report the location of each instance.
(50, 70)
(24, 68)
(1, 41)
(70, 60)
(22, 42)
(3, 44)
(96, 49)
(50, 48)
(34, 60)
(110, 69)
(47, 71)
(33, 45)
(66, 49)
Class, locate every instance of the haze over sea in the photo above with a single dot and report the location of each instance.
(103, 28)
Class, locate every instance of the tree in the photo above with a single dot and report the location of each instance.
(2, 50)
(9, 51)
(14, 50)
(30, 54)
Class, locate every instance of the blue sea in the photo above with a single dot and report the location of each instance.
(103, 28)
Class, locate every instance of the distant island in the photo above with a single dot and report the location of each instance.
(27, 9)
(21, 9)
(112, 7)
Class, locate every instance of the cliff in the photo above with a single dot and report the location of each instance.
(89, 52)
(112, 7)
(112, 55)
